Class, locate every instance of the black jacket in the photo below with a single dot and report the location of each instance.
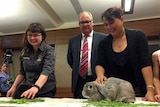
(138, 54)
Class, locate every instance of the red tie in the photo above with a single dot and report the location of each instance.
(84, 59)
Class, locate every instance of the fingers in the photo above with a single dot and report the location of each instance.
(105, 78)
(144, 99)
(157, 98)
(30, 93)
(98, 80)
(9, 94)
(101, 80)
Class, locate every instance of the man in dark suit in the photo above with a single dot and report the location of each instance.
(74, 55)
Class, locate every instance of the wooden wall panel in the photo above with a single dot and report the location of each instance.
(12, 42)
(51, 37)
(1, 51)
(1, 56)
(100, 28)
(64, 92)
(62, 36)
(150, 27)
(0, 42)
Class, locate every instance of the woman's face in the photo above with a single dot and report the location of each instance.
(34, 38)
(115, 27)
(4, 68)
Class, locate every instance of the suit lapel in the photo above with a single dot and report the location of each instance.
(79, 45)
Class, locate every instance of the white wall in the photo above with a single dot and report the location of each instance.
(62, 69)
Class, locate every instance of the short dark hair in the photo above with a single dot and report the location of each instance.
(115, 12)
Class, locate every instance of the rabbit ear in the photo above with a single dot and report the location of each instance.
(101, 89)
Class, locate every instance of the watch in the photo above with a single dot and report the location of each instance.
(34, 85)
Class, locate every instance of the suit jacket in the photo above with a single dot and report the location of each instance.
(73, 55)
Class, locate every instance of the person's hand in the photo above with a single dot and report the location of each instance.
(157, 98)
(149, 96)
(10, 92)
(30, 93)
(0, 94)
(101, 79)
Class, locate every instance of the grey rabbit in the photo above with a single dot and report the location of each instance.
(113, 89)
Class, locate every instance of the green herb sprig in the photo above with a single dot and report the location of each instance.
(21, 101)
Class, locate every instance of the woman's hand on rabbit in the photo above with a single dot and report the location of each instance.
(100, 74)
(101, 79)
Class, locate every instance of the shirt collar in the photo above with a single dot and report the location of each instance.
(90, 35)
(42, 46)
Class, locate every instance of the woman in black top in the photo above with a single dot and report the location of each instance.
(36, 66)
(124, 54)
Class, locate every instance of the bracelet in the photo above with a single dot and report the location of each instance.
(34, 85)
(150, 86)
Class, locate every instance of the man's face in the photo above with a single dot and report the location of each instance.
(85, 23)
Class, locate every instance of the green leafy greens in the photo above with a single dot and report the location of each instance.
(21, 101)
(118, 104)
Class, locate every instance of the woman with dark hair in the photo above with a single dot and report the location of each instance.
(124, 54)
(36, 77)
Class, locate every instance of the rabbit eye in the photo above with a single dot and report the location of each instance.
(89, 87)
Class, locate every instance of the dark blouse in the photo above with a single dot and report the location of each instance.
(33, 65)
(122, 66)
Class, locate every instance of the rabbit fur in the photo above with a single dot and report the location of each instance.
(113, 89)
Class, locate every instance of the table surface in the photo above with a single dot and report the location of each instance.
(57, 102)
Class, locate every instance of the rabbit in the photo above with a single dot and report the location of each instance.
(113, 89)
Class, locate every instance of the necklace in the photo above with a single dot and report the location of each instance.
(119, 44)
